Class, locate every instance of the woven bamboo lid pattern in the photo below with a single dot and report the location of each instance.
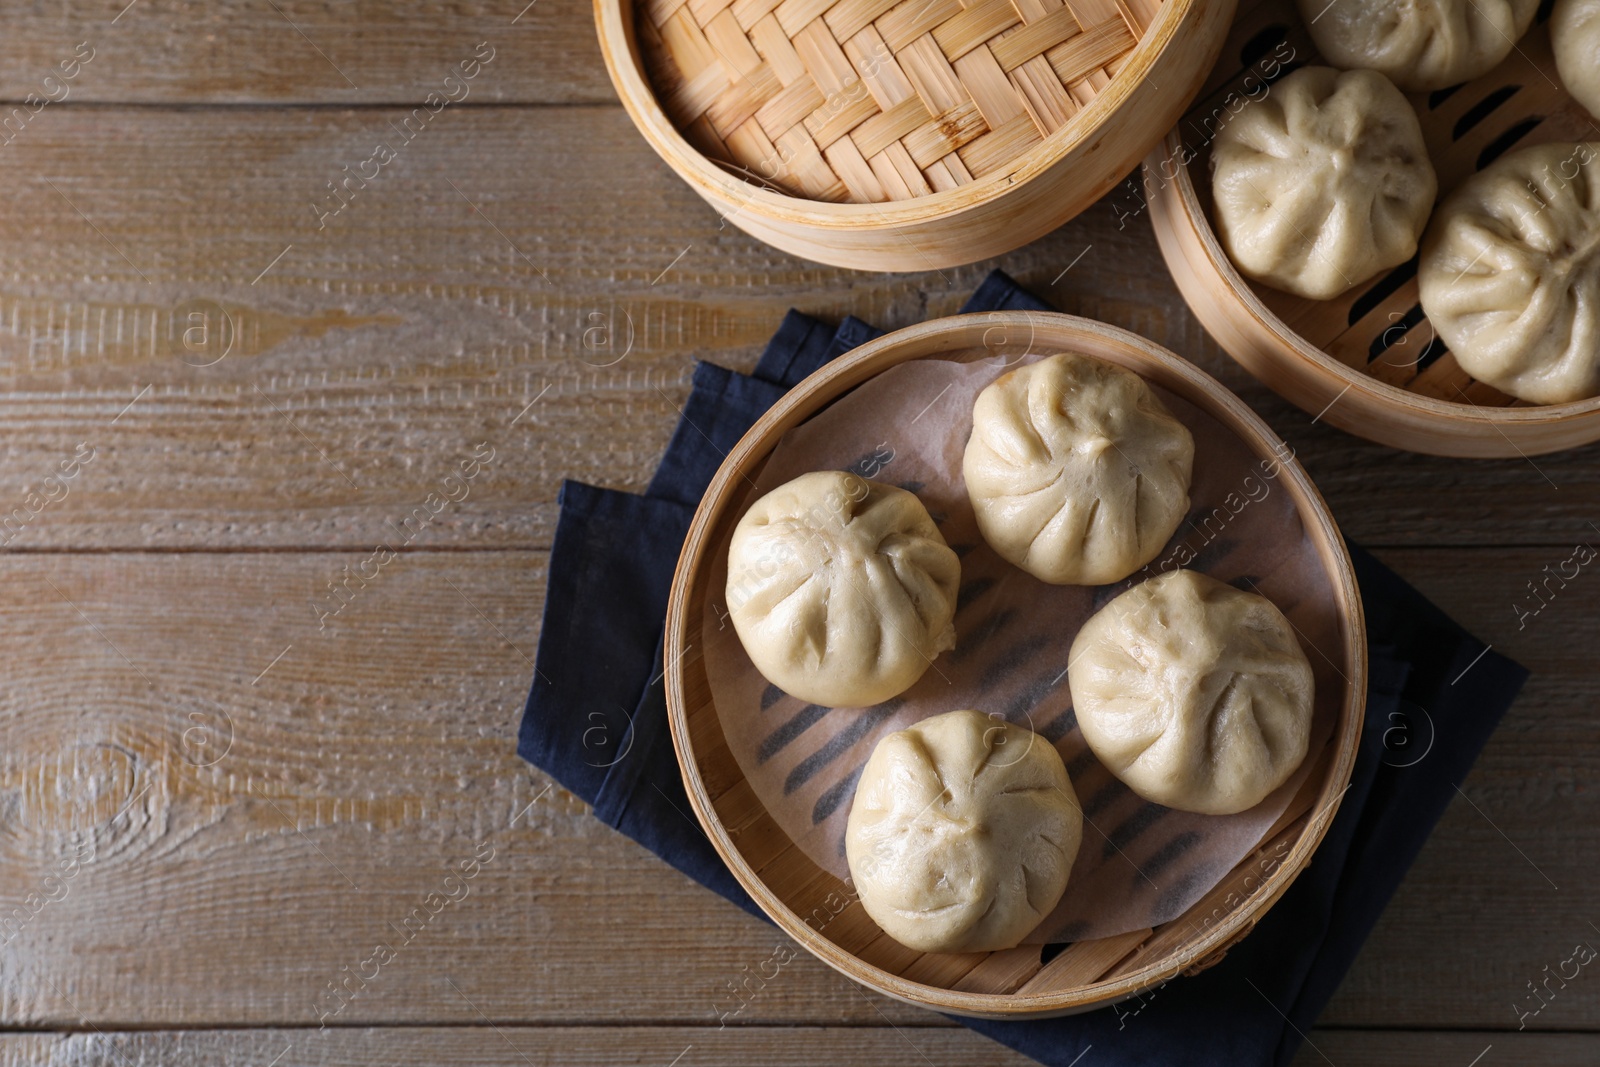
(875, 100)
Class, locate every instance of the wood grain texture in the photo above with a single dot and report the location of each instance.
(175, 52)
(383, 751)
(415, 324)
(702, 1047)
(142, 616)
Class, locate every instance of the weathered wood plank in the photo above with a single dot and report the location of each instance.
(231, 804)
(797, 1046)
(223, 796)
(367, 354)
(1399, 1048)
(299, 51)
(364, 761)
(1508, 853)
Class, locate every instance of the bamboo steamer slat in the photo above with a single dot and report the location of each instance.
(1366, 362)
(791, 888)
(906, 134)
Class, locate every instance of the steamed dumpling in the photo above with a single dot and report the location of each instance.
(1419, 44)
(1322, 183)
(1194, 693)
(962, 833)
(1575, 33)
(1510, 273)
(842, 590)
(1077, 472)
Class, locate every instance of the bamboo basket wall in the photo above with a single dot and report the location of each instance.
(906, 134)
(1367, 362)
(795, 892)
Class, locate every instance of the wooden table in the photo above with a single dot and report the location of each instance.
(259, 790)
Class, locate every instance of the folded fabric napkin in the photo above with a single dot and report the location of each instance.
(596, 721)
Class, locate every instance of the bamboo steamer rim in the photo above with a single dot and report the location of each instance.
(964, 332)
(1356, 380)
(620, 49)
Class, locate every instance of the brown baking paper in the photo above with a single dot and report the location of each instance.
(1140, 864)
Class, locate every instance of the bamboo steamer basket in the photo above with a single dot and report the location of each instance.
(906, 134)
(789, 887)
(1367, 362)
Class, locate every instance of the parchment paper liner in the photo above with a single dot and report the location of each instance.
(1140, 864)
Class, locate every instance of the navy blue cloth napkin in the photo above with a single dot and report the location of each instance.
(596, 721)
